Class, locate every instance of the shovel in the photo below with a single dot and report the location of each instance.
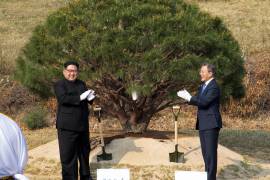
(176, 156)
(103, 156)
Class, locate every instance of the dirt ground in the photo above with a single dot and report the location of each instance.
(147, 159)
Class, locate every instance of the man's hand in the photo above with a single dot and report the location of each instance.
(184, 94)
(91, 95)
(84, 95)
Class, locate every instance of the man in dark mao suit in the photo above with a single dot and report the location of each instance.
(209, 119)
(72, 123)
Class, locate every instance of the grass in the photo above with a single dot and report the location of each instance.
(136, 172)
(35, 138)
(253, 144)
(51, 169)
(18, 18)
(248, 20)
(238, 172)
(42, 168)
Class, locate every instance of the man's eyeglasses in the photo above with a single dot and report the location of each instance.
(72, 71)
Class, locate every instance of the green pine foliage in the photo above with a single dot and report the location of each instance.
(36, 118)
(140, 44)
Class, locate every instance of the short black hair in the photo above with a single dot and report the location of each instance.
(210, 68)
(67, 63)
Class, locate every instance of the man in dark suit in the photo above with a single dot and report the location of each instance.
(72, 123)
(209, 119)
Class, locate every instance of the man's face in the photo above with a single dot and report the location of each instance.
(71, 72)
(205, 74)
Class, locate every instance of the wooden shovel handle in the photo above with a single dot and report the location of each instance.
(175, 132)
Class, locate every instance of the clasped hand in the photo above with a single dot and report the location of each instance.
(89, 94)
(184, 94)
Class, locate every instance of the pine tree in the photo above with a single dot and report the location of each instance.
(153, 47)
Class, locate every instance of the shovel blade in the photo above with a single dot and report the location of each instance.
(104, 157)
(177, 157)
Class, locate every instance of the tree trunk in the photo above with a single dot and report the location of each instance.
(135, 123)
(133, 115)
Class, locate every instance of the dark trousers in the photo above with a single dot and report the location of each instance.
(74, 146)
(209, 145)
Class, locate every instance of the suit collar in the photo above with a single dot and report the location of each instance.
(70, 82)
(208, 81)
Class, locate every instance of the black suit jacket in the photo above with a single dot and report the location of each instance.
(72, 114)
(208, 115)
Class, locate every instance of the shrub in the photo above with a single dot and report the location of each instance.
(36, 118)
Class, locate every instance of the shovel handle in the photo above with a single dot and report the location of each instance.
(97, 110)
(101, 133)
(175, 132)
(175, 111)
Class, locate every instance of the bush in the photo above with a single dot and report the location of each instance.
(36, 118)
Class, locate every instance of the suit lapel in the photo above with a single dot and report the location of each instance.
(211, 83)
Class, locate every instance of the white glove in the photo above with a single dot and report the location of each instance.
(187, 94)
(184, 94)
(92, 91)
(84, 95)
(134, 95)
(91, 95)
(20, 177)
